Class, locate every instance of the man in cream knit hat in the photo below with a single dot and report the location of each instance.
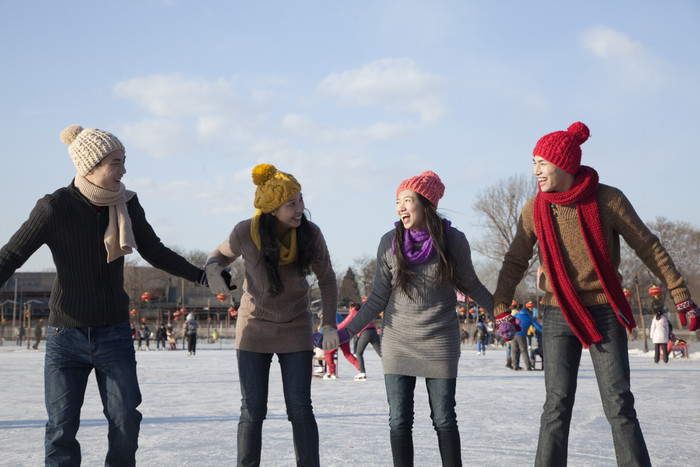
(89, 226)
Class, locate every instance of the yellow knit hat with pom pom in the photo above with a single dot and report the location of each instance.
(88, 146)
(274, 187)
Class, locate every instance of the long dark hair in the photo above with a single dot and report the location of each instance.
(438, 234)
(270, 251)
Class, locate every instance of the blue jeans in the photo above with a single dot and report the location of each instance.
(254, 375)
(481, 346)
(441, 396)
(562, 354)
(71, 354)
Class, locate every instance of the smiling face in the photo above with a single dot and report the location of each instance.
(289, 215)
(410, 210)
(108, 174)
(551, 178)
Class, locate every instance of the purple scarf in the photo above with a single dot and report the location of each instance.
(425, 251)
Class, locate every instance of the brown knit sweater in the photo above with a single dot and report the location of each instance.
(619, 219)
(284, 323)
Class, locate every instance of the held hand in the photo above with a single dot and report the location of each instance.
(330, 338)
(215, 278)
(508, 326)
(317, 338)
(688, 310)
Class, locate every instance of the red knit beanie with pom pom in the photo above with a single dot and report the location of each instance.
(563, 148)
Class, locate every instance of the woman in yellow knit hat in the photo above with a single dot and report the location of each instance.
(279, 247)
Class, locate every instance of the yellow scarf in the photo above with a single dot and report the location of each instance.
(288, 245)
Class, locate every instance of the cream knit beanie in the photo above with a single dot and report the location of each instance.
(88, 146)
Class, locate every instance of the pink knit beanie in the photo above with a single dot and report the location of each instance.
(563, 148)
(427, 184)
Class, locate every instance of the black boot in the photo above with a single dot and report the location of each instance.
(450, 448)
(402, 447)
(249, 443)
(306, 443)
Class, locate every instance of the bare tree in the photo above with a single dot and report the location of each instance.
(365, 268)
(682, 241)
(499, 208)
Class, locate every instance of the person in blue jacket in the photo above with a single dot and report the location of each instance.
(519, 343)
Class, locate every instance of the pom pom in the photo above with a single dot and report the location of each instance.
(69, 134)
(262, 173)
(580, 132)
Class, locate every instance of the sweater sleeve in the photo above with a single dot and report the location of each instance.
(382, 288)
(30, 236)
(648, 247)
(516, 261)
(152, 249)
(327, 282)
(230, 249)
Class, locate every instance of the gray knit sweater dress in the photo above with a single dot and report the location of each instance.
(420, 332)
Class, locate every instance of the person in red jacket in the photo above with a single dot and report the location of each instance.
(332, 372)
(368, 335)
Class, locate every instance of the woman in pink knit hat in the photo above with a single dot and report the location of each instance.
(420, 264)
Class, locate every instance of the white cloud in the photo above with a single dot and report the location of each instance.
(175, 96)
(635, 66)
(605, 42)
(326, 134)
(396, 84)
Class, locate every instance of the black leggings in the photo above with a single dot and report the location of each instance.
(664, 347)
(368, 336)
(192, 342)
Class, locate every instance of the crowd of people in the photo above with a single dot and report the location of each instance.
(422, 261)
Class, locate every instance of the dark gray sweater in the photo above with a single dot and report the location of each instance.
(88, 291)
(420, 334)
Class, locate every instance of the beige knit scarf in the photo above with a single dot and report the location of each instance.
(119, 236)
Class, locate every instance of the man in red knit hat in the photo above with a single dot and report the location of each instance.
(576, 223)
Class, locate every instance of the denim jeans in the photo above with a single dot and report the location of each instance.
(441, 396)
(562, 354)
(254, 375)
(71, 354)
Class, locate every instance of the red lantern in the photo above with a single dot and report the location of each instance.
(655, 291)
(232, 311)
(146, 297)
(176, 318)
(514, 304)
(529, 305)
(462, 310)
(133, 312)
(221, 297)
(183, 310)
(209, 319)
(143, 320)
(627, 293)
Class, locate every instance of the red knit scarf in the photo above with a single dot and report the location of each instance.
(583, 194)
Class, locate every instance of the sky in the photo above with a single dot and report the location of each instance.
(349, 97)
(191, 407)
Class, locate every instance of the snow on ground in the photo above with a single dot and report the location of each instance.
(190, 409)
